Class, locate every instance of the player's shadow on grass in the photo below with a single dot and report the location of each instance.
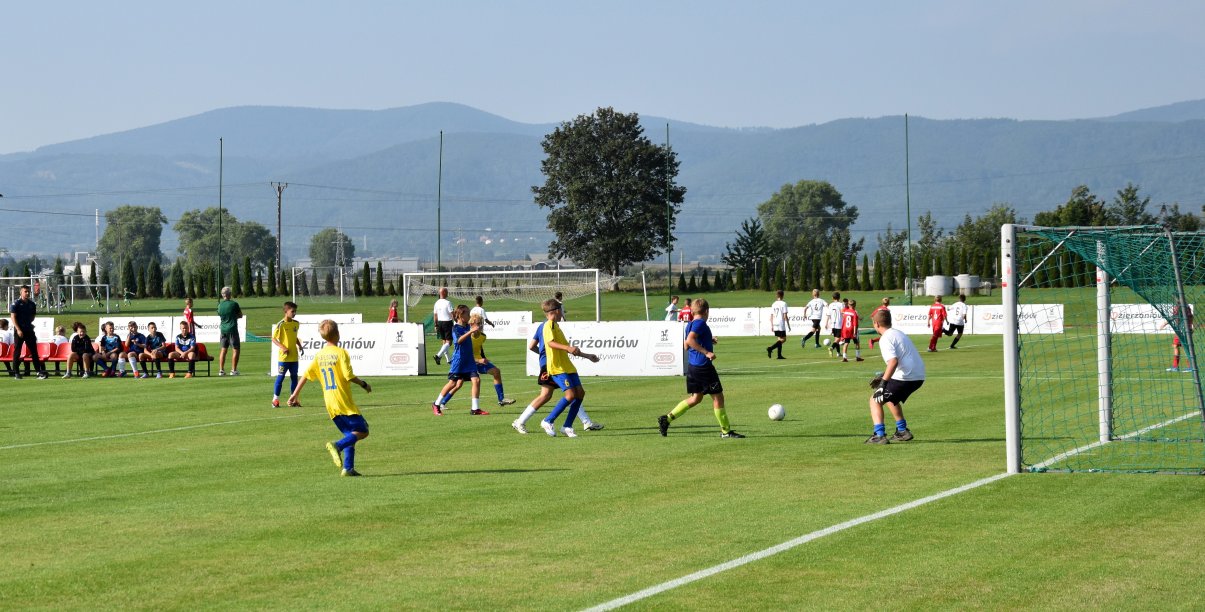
(459, 472)
(953, 440)
(689, 430)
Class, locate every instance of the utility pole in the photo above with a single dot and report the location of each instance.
(280, 187)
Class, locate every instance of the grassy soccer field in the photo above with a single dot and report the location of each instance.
(171, 494)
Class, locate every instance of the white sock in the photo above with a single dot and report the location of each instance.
(581, 414)
(527, 412)
(476, 403)
(121, 365)
(443, 350)
(857, 353)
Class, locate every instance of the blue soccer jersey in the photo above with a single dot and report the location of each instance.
(539, 338)
(136, 342)
(155, 341)
(462, 359)
(703, 337)
(185, 343)
(110, 343)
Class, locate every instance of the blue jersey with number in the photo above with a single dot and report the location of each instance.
(135, 342)
(155, 341)
(110, 343)
(185, 343)
(703, 337)
(462, 359)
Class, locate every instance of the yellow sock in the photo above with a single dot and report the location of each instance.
(682, 407)
(722, 416)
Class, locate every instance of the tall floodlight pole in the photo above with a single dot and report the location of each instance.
(908, 213)
(220, 166)
(280, 187)
(439, 186)
(669, 216)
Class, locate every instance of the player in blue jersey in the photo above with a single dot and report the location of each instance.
(110, 350)
(156, 349)
(701, 376)
(135, 345)
(186, 350)
(547, 386)
(461, 367)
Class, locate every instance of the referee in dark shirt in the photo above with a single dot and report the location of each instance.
(23, 312)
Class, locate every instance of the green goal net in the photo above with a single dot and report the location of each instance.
(1092, 380)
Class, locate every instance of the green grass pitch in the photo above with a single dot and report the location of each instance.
(184, 494)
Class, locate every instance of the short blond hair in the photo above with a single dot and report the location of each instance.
(700, 306)
(329, 330)
(475, 319)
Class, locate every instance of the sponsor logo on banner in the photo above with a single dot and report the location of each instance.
(1031, 319)
(510, 325)
(624, 348)
(1139, 319)
(375, 349)
(734, 322)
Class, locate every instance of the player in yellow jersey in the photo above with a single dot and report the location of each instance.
(562, 371)
(333, 367)
(484, 366)
(284, 338)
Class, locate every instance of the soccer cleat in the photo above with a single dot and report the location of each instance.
(877, 440)
(43, 376)
(548, 428)
(221, 373)
(189, 375)
(330, 448)
(276, 402)
(158, 374)
(932, 350)
(437, 359)
(234, 372)
(436, 409)
(1173, 369)
(844, 360)
(519, 427)
(568, 431)
(859, 359)
(505, 402)
(663, 424)
(17, 375)
(901, 436)
(351, 472)
(781, 357)
(769, 353)
(953, 348)
(121, 374)
(872, 342)
(171, 374)
(67, 375)
(478, 412)
(86, 375)
(592, 426)
(730, 434)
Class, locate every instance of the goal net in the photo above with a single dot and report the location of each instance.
(323, 285)
(1092, 319)
(529, 286)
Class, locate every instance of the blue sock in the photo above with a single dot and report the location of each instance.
(557, 410)
(349, 458)
(901, 425)
(498, 390)
(346, 441)
(443, 401)
(292, 382)
(573, 408)
(280, 379)
(879, 430)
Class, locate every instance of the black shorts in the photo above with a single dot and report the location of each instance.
(954, 328)
(544, 380)
(780, 334)
(837, 333)
(465, 376)
(703, 379)
(443, 330)
(816, 325)
(896, 391)
(229, 340)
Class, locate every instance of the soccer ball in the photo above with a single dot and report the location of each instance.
(777, 412)
(828, 341)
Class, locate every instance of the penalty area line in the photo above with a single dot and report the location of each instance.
(788, 545)
(147, 433)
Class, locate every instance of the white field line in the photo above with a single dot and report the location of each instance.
(815, 535)
(147, 433)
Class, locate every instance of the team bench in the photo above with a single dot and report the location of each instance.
(57, 354)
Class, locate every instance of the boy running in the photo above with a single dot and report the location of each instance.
(284, 338)
(814, 310)
(905, 373)
(957, 313)
(333, 366)
(484, 366)
(701, 377)
(834, 320)
(562, 371)
(937, 322)
(779, 323)
(547, 386)
(461, 366)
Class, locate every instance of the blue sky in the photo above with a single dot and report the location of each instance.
(75, 69)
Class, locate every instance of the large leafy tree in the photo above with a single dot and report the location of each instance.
(131, 231)
(198, 232)
(324, 248)
(750, 246)
(611, 191)
(1082, 208)
(808, 218)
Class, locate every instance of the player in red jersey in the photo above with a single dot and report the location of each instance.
(849, 332)
(937, 322)
(886, 305)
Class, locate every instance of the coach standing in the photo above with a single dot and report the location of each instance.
(230, 312)
(23, 312)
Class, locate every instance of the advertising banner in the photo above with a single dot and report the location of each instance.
(1031, 319)
(624, 348)
(208, 329)
(1137, 319)
(509, 325)
(736, 322)
(376, 349)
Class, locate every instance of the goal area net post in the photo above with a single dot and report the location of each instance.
(323, 284)
(1100, 361)
(530, 286)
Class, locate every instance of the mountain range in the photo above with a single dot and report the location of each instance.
(379, 175)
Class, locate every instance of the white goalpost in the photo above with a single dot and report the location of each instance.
(323, 285)
(532, 286)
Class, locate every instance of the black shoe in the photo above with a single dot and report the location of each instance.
(43, 376)
(952, 347)
(350, 473)
(781, 357)
(730, 434)
(437, 360)
(769, 353)
(17, 375)
(877, 440)
(901, 436)
(663, 424)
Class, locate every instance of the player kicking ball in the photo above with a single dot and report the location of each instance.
(333, 366)
(701, 377)
(905, 373)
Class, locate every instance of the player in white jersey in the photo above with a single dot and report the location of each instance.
(814, 310)
(833, 315)
(443, 323)
(956, 319)
(479, 309)
(905, 374)
(779, 324)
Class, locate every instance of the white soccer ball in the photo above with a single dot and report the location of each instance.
(777, 412)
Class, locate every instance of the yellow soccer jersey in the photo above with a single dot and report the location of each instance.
(286, 334)
(478, 345)
(558, 360)
(332, 367)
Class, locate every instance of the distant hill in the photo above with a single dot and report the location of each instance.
(374, 173)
